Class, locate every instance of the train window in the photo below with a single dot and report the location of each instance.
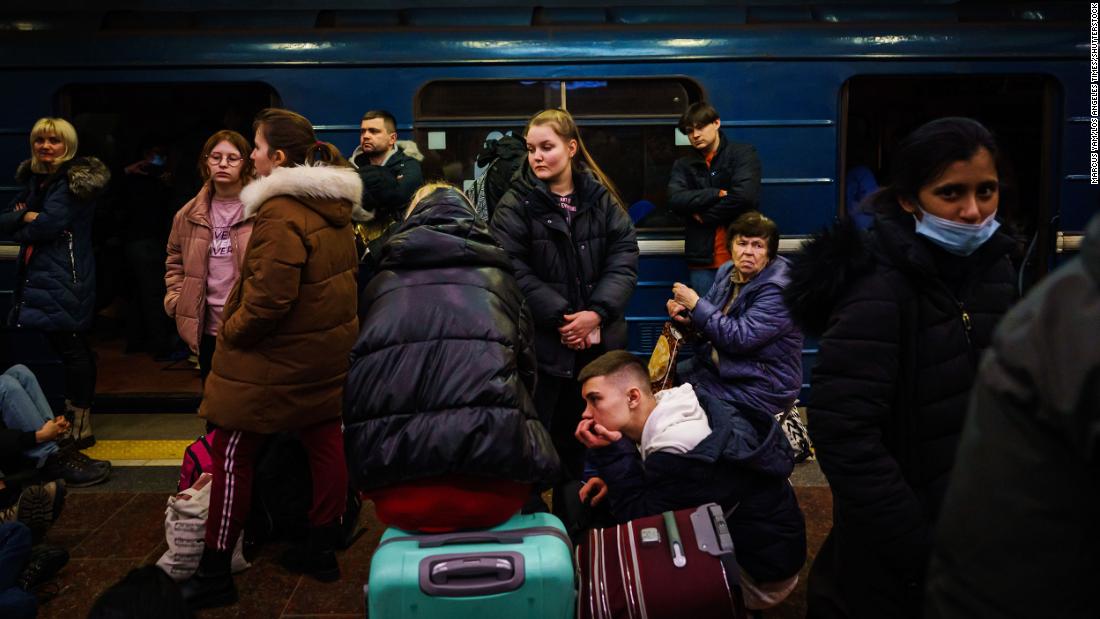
(490, 99)
(628, 126)
(1016, 108)
(626, 98)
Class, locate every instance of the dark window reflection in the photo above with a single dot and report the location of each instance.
(628, 126)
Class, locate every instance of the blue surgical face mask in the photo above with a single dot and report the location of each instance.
(955, 237)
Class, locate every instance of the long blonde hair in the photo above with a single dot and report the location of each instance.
(64, 130)
(428, 189)
(563, 124)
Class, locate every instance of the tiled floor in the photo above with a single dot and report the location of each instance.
(109, 533)
(112, 528)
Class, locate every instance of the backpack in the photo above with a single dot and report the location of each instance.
(197, 459)
(504, 156)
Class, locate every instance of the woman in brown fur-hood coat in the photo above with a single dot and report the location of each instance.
(282, 353)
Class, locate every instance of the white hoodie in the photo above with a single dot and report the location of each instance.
(677, 424)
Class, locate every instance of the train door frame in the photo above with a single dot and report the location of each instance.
(172, 118)
(1037, 256)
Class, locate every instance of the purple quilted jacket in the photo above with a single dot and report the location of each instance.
(759, 346)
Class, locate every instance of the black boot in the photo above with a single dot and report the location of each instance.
(212, 585)
(76, 469)
(316, 557)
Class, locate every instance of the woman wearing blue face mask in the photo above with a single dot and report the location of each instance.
(903, 313)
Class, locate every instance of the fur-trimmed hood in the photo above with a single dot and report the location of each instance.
(821, 272)
(408, 147)
(333, 192)
(87, 176)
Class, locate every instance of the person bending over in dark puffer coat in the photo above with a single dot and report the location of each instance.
(440, 425)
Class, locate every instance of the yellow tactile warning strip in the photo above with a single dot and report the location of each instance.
(140, 452)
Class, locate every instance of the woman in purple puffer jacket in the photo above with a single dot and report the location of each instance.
(748, 350)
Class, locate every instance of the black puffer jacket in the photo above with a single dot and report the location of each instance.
(743, 464)
(693, 189)
(589, 265)
(1017, 537)
(388, 188)
(443, 372)
(56, 285)
(901, 324)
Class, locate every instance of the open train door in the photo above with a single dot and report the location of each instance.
(142, 364)
(879, 110)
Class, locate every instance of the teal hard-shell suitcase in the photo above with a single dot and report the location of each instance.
(520, 569)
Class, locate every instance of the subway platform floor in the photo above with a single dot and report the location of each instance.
(114, 527)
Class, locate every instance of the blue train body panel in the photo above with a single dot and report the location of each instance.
(779, 76)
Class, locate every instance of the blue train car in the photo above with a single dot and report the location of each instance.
(819, 89)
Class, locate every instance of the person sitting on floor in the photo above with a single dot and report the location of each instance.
(748, 350)
(673, 450)
(29, 435)
(15, 550)
(24, 569)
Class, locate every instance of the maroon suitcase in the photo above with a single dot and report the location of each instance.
(628, 571)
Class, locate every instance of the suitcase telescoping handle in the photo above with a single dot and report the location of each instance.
(515, 536)
(475, 574)
(473, 537)
(676, 545)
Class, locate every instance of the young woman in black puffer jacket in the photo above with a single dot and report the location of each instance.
(576, 259)
(440, 422)
(903, 314)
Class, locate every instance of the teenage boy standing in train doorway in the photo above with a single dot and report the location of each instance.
(710, 188)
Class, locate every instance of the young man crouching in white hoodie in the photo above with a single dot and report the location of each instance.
(651, 453)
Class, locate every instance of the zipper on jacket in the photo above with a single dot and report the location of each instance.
(72, 255)
(968, 326)
(571, 258)
(966, 319)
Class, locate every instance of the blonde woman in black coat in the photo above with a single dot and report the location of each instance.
(575, 255)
